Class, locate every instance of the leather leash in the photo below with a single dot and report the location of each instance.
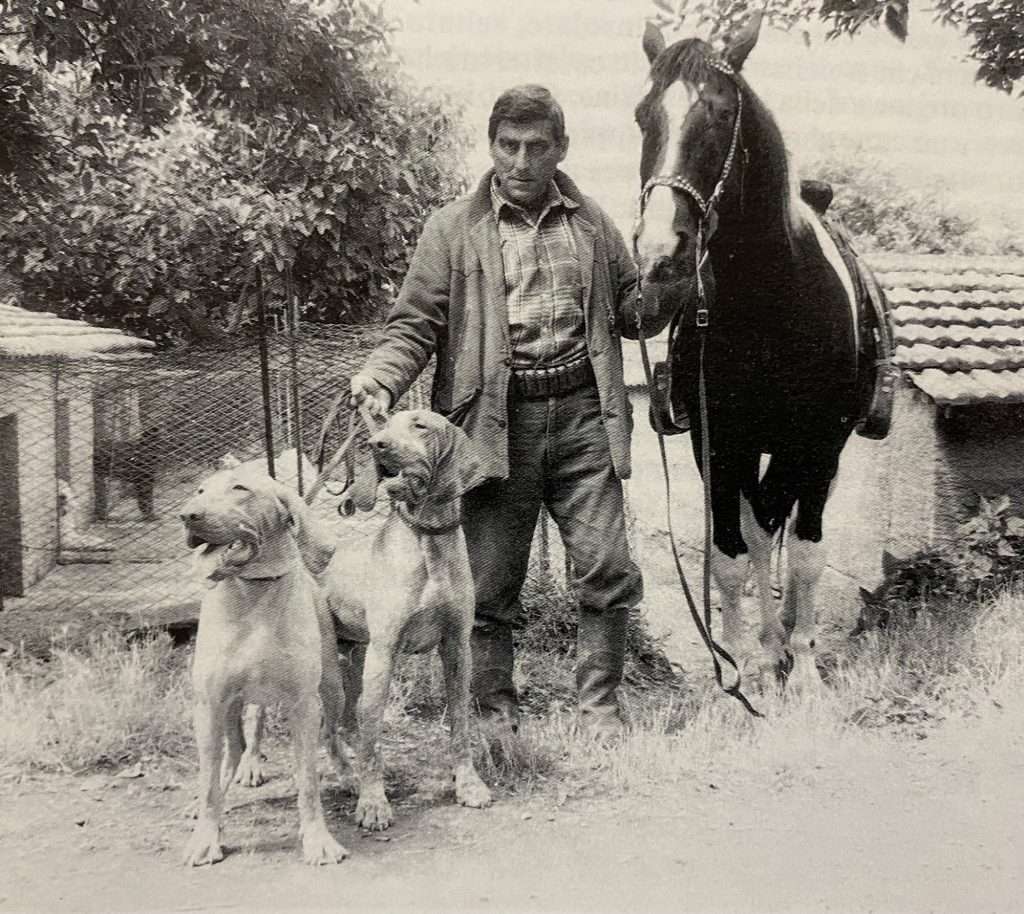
(705, 228)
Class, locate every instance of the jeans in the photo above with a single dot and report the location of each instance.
(558, 457)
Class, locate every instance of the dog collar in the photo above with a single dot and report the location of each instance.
(416, 522)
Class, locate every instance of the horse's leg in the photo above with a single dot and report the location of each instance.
(771, 636)
(807, 555)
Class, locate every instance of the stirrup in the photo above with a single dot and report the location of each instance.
(663, 418)
(877, 415)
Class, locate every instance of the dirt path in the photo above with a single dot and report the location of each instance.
(933, 825)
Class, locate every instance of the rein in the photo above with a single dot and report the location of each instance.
(705, 229)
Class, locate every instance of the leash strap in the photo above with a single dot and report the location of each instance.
(703, 626)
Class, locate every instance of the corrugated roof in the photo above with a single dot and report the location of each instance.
(35, 334)
(959, 325)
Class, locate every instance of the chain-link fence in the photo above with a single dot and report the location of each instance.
(98, 455)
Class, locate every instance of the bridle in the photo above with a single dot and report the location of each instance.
(707, 207)
(707, 222)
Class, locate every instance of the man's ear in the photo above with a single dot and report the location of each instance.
(565, 148)
(316, 545)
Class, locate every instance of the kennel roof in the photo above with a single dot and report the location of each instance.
(959, 325)
(37, 334)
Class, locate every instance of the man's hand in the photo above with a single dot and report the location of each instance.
(367, 392)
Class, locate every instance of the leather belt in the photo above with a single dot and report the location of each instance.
(552, 381)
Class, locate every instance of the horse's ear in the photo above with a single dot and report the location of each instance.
(654, 41)
(742, 43)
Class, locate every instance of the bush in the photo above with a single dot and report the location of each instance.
(883, 214)
(985, 558)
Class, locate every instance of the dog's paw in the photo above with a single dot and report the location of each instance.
(319, 847)
(373, 811)
(203, 847)
(250, 770)
(470, 790)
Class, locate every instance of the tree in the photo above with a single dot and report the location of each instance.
(993, 28)
(179, 159)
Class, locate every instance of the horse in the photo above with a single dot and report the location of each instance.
(763, 310)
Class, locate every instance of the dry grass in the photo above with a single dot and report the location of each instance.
(104, 706)
(113, 704)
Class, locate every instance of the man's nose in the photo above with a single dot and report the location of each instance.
(522, 159)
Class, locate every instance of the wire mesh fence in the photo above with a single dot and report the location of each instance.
(98, 455)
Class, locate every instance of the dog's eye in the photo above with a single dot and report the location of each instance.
(420, 424)
(199, 491)
(238, 487)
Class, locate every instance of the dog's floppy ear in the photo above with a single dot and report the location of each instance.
(459, 464)
(316, 545)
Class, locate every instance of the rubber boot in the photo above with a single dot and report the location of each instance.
(600, 654)
(494, 694)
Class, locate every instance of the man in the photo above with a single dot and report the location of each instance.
(522, 289)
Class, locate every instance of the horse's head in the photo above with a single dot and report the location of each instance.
(691, 121)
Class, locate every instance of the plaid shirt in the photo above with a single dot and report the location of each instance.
(542, 281)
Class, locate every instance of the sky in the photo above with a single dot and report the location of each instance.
(914, 106)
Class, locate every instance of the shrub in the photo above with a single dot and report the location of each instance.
(884, 214)
(984, 558)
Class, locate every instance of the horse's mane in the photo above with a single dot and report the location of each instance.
(690, 60)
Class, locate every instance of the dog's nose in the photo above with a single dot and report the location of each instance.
(190, 516)
(380, 442)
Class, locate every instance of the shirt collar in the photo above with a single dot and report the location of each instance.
(555, 198)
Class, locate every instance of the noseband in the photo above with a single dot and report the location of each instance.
(708, 208)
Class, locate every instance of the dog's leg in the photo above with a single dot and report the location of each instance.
(233, 742)
(249, 772)
(332, 697)
(470, 790)
(352, 663)
(373, 811)
(318, 845)
(204, 845)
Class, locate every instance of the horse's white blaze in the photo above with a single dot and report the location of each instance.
(835, 259)
(656, 237)
(677, 101)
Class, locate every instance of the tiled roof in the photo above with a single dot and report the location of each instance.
(34, 334)
(959, 325)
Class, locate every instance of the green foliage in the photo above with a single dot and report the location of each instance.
(993, 28)
(182, 186)
(884, 214)
(985, 557)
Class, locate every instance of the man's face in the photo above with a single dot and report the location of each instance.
(525, 159)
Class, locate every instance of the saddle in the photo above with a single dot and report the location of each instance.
(875, 371)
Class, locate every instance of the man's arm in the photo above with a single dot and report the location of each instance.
(625, 278)
(413, 327)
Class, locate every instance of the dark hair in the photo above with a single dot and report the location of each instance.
(525, 104)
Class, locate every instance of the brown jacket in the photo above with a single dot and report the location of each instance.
(453, 303)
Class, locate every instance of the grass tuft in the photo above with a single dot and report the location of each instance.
(100, 707)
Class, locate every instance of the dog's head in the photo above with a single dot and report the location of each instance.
(423, 457)
(235, 520)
